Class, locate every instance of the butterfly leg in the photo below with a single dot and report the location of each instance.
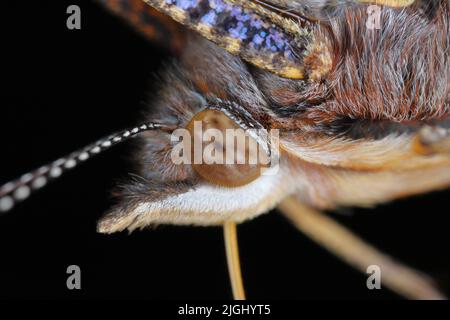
(340, 241)
(234, 266)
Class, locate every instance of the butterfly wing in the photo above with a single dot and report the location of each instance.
(149, 22)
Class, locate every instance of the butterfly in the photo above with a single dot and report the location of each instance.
(362, 117)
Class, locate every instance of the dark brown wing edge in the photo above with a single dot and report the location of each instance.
(149, 22)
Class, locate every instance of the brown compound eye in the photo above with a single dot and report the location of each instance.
(222, 152)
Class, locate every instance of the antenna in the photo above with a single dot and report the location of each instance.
(20, 189)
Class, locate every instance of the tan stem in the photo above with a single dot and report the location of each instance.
(344, 244)
(234, 267)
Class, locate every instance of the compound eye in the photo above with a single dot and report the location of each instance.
(222, 152)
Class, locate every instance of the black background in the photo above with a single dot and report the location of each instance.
(62, 89)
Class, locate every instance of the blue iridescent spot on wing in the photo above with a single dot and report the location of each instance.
(209, 18)
(258, 35)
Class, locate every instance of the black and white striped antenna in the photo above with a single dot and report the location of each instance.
(20, 189)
